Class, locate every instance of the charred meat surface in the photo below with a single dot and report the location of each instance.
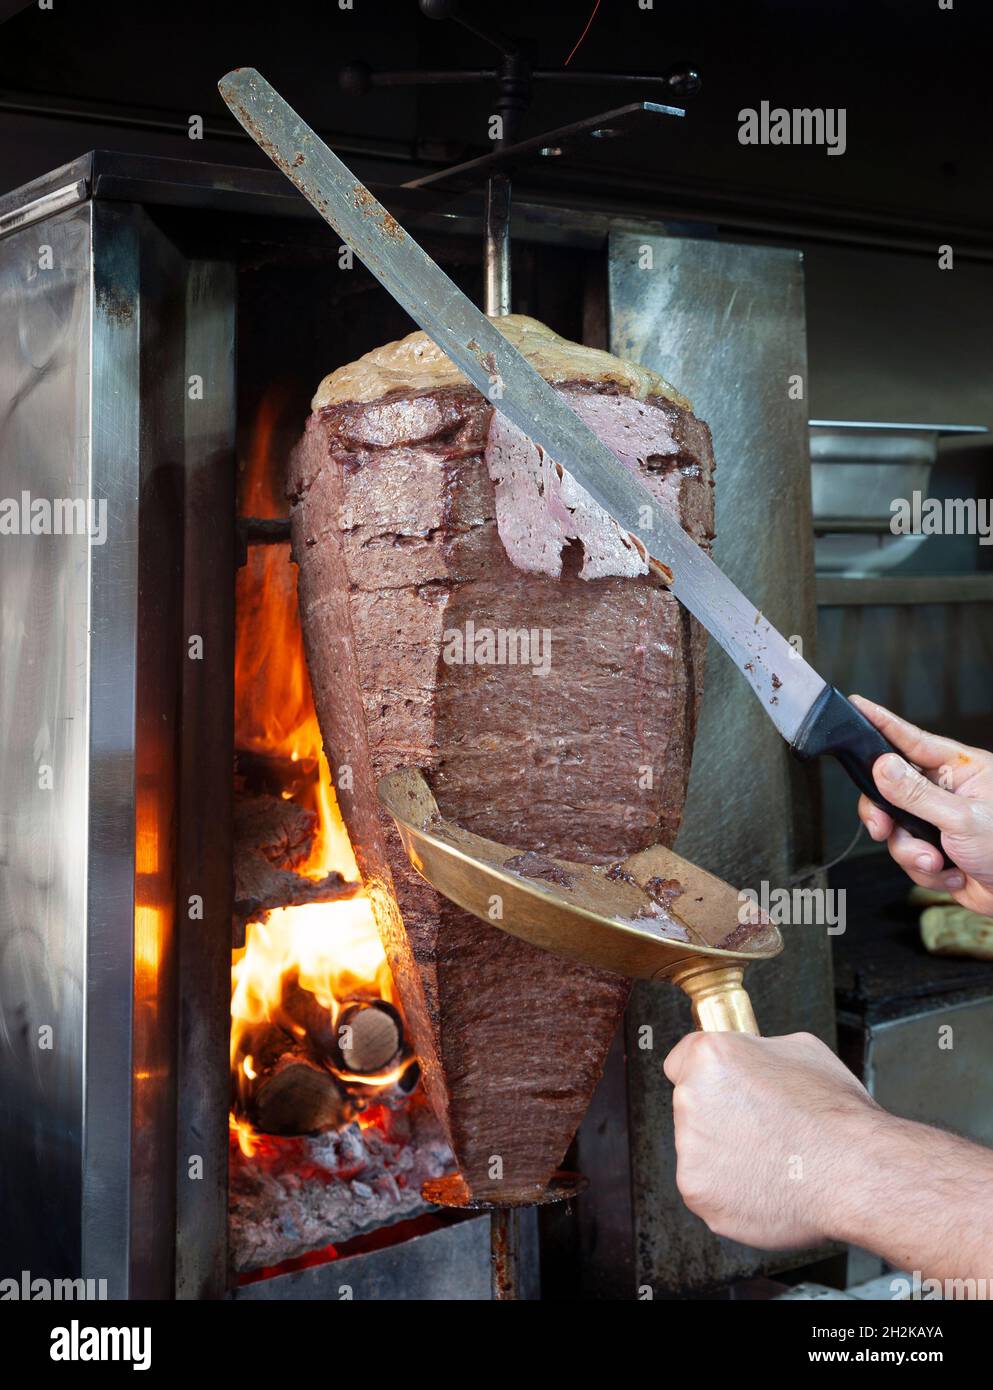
(533, 865)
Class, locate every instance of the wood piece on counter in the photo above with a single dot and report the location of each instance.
(956, 931)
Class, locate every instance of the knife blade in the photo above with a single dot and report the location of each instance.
(812, 716)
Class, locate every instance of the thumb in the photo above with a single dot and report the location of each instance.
(905, 787)
(676, 1062)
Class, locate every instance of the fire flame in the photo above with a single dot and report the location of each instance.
(274, 711)
(332, 949)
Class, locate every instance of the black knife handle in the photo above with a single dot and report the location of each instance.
(833, 725)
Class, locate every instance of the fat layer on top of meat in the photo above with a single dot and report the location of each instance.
(416, 363)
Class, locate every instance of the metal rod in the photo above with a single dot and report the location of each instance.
(505, 1253)
(496, 246)
(578, 77)
(418, 77)
(617, 121)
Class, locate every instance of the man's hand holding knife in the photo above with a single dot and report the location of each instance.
(779, 1145)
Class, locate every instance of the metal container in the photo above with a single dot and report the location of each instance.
(858, 469)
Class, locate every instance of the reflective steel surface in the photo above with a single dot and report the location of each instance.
(45, 734)
(101, 322)
(36, 209)
(909, 1072)
(206, 791)
(110, 917)
(725, 323)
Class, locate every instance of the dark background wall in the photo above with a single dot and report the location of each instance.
(912, 77)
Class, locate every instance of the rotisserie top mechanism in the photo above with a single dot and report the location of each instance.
(513, 77)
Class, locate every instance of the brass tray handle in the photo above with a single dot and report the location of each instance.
(718, 996)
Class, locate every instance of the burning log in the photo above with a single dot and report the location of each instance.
(306, 1019)
(286, 833)
(276, 828)
(272, 836)
(369, 1037)
(297, 1096)
(289, 1091)
(461, 535)
(273, 774)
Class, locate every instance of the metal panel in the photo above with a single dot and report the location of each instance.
(931, 659)
(909, 590)
(725, 324)
(139, 650)
(112, 661)
(601, 1261)
(39, 208)
(44, 724)
(934, 1067)
(161, 649)
(92, 641)
(449, 1265)
(203, 1082)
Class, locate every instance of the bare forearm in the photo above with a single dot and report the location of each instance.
(920, 1198)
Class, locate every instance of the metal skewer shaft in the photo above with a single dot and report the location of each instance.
(513, 98)
(496, 246)
(505, 1254)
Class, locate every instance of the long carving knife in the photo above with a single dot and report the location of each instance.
(812, 716)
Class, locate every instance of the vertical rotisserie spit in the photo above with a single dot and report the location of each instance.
(465, 611)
